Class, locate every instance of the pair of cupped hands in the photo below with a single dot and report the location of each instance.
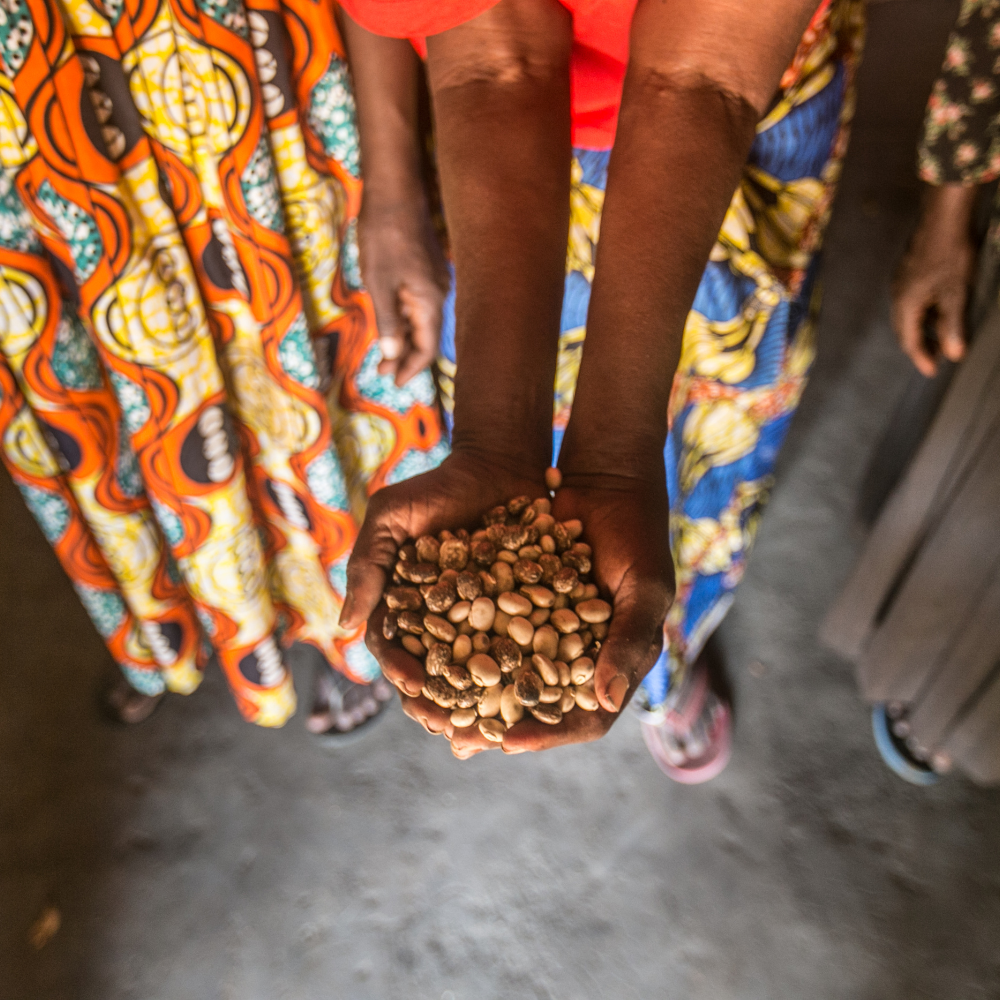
(625, 520)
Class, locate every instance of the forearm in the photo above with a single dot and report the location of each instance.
(946, 212)
(384, 72)
(503, 144)
(675, 165)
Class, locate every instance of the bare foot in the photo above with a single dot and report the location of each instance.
(124, 704)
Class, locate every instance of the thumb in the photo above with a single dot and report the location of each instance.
(368, 569)
(391, 327)
(634, 641)
(950, 328)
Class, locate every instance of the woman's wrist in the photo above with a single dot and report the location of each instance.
(946, 213)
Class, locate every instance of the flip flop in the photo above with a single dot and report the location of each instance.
(348, 725)
(690, 737)
(896, 754)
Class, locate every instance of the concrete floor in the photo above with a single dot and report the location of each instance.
(198, 858)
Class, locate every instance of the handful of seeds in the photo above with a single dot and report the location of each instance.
(505, 620)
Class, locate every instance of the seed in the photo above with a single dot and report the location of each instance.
(528, 515)
(561, 537)
(548, 544)
(459, 612)
(462, 649)
(469, 698)
(545, 668)
(418, 572)
(586, 637)
(543, 505)
(403, 598)
(520, 630)
(464, 628)
(551, 695)
(410, 621)
(480, 642)
(511, 710)
(586, 698)
(454, 554)
(489, 582)
(564, 675)
(594, 611)
(541, 597)
(484, 669)
(427, 639)
(517, 505)
(549, 714)
(514, 604)
(565, 580)
(428, 549)
(482, 614)
(440, 628)
(462, 718)
(546, 642)
(600, 631)
(589, 591)
(561, 601)
(440, 692)
(576, 594)
(497, 515)
(440, 597)
(408, 553)
(489, 704)
(507, 654)
(507, 557)
(568, 702)
(457, 676)
(483, 552)
(503, 575)
(580, 563)
(413, 645)
(564, 620)
(501, 622)
(390, 625)
(492, 729)
(494, 533)
(531, 552)
(528, 688)
(581, 670)
(514, 537)
(570, 646)
(469, 586)
(438, 658)
(526, 571)
(544, 522)
(539, 616)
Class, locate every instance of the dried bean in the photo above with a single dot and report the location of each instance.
(571, 646)
(539, 616)
(484, 669)
(544, 522)
(492, 729)
(489, 582)
(462, 718)
(528, 688)
(511, 710)
(521, 631)
(428, 549)
(489, 704)
(461, 649)
(548, 545)
(574, 528)
(440, 628)
(507, 557)
(440, 598)
(501, 622)
(483, 552)
(530, 552)
(565, 620)
(418, 572)
(551, 695)
(427, 639)
(594, 611)
(464, 628)
(480, 642)
(507, 653)
(540, 596)
(438, 658)
(561, 537)
(549, 714)
(564, 675)
(482, 614)
(586, 698)
(568, 702)
(514, 604)
(517, 505)
(503, 575)
(561, 601)
(581, 670)
(600, 631)
(469, 586)
(546, 642)
(440, 692)
(565, 580)
(526, 571)
(408, 553)
(498, 515)
(403, 598)
(413, 645)
(494, 533)
(546, 669)
(580, 563)
(411, 621)
(454, 554)
(459, 612)
(514, 537)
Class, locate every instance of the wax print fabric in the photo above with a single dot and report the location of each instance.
(749, 340)
(188, 395)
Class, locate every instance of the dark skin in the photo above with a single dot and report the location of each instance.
(701, 74)
(936, 273)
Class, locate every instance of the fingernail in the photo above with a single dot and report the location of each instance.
(617, 690)
(345, 612)
(391, 348)
(513, 750)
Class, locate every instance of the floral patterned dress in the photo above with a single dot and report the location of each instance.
(961, 139)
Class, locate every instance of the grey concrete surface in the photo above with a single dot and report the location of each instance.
(198, 858)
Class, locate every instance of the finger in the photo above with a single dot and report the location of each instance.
(368, 569)
(400, 667)
(391, 328)
(577, 726)
(421, 308)
(393, 348)
(950, 328)
(635, 639)
(908, 313)
(433, 718)
(469, 741)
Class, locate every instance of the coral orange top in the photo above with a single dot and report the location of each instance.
(597, 67)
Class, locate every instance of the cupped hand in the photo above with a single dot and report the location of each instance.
(626, 523)
(456, 494)
(406, 275)
(934, 278)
